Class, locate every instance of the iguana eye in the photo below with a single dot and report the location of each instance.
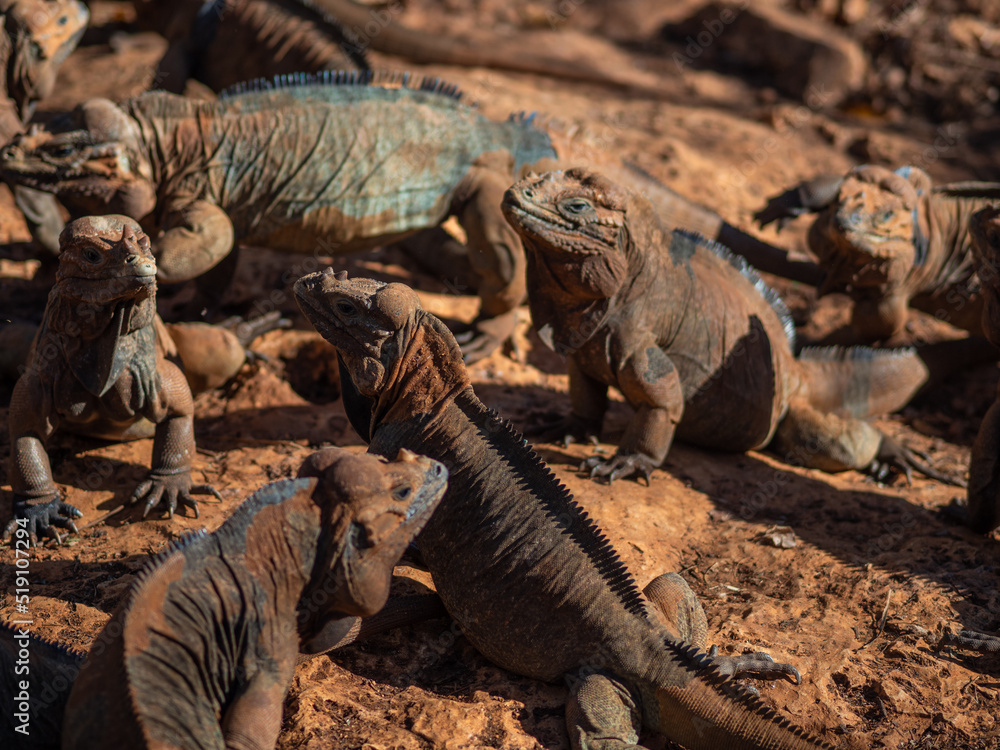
(91, 255)
(884, 217)
(346, 308)
(61, 151)
(402, 493)
(576, 205)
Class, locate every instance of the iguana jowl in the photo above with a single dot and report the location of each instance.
(201, 652)
(892, 240)
(332, 164)
(691, 337)
(528, 576)
(98, 368)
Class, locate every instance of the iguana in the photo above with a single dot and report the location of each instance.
(332, 164)
(892, 240)
(98, 367)
(528, 576)
(201, 652)
(693, 339)
(984, 463)
(36, 36)
(223, 42)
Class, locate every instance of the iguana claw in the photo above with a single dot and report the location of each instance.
(893, 455)
(43, 518)
(171, 488)
(477, 345)
(757, 665)
(621, 466)
(565, 431)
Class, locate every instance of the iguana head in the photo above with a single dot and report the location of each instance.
(984, 231)
(91, 158)
(372, 509)
(364, 319)
(384, 339)
(103, 303)
(579, 234)
(42, 34)
(105, 258)
(871, 234)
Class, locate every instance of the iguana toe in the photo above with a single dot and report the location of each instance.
(170, 490)
(757, 665)
(895, 456)
(565, 431)
(621, 466)
(42, 519)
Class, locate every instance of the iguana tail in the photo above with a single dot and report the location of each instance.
(708, 712)
(49, 670)
(861, 382)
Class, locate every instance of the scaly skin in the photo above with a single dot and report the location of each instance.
(693, 340)
(892, 241)
(36, 36)
(201, 653)
(338, 165)
(98, 368)
(984, 463)
(527, 575)
(240, 40)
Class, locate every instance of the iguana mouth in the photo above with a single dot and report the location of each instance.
(533, 220)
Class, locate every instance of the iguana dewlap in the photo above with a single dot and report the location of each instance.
(691, 337)
(533, 583)
(98, 368)
(892, 240)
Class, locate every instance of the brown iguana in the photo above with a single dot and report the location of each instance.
(98, 368)
(36, 36)
(984, 464)
(529, 578)
(223, 42)
(693, 339)
(201, 652)
(331, 164)
(891, 241)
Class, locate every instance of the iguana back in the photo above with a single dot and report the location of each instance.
(352, 158)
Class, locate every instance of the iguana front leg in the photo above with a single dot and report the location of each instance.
(169, 479)
(651, 384)
(879, 318)
(196, 236)
(984, 474)
(36, 498)
(495, 253)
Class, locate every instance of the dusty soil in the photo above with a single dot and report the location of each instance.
(872, 575)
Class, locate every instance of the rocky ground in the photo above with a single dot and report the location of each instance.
(850, 580)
